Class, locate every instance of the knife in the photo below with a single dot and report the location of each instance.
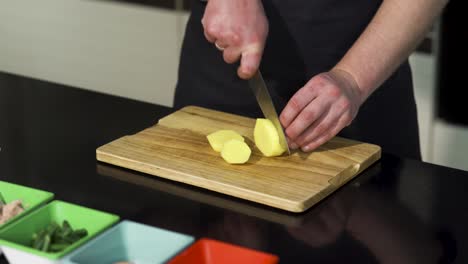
(260, 90)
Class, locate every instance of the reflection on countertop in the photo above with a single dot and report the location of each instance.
(363, 222)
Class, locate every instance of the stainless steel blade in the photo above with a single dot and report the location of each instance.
(260, 90)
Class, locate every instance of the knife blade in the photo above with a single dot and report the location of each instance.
(260, 90)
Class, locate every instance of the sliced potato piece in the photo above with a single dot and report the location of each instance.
(236, 152)
(218, 138)
(266, 138)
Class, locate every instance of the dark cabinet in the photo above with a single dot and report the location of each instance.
(452, 81)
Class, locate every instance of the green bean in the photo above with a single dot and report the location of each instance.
(55, 238)
(66, 229)
(37, 244)
(52, 228)
(39, 239)
(2, 200)
(80, 233)
(56, 247)
(45, 246)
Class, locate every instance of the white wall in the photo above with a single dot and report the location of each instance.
(121, 49)
(450, 145)
(423, 68)
(441, 143)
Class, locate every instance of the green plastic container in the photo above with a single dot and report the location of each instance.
(17, 236)
(31, 198)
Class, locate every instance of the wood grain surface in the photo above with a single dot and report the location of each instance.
(177, 149)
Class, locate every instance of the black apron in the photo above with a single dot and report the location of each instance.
(306, 37)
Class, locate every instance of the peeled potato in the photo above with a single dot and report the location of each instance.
(235, 152)
(267, 139)
(218, 138)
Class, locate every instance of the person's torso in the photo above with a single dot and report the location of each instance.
(323, 30)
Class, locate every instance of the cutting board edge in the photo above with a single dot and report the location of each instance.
(340, 180)
(353, 170)
(154, 171)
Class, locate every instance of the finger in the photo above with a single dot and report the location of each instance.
(302, 140)
(250, 61)
(219, 45)
(209, 37)
(327, 136)
(321, 126)
(313, 111)
(296, 104)
(292, 145)
(231, 54)
(211, 32)
(229, 38)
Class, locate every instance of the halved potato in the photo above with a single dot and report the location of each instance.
(218, 138)
(267, 139)
(235, 152)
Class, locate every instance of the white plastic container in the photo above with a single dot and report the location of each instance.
(15, 256)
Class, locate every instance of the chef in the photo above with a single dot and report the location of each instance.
(332, 66)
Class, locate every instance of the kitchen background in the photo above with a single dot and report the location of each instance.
(131, 49)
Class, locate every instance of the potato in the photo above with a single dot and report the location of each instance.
(218, 138)
(235, 152)
(267, 139)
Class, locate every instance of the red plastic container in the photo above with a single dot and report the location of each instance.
(208, 251)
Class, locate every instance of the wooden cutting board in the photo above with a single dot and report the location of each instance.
(177, 149)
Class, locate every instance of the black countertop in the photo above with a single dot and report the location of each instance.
(397, 211)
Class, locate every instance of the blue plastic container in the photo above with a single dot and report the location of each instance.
(132, 242)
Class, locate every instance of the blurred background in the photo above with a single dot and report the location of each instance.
(131, 49)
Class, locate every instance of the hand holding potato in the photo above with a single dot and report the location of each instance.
(320, 109)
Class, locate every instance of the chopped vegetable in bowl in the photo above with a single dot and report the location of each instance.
(55, 238)
(9, 210)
